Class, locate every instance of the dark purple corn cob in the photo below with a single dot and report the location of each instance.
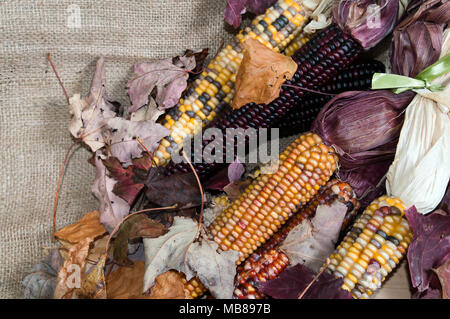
(356, 77)
(326, 55)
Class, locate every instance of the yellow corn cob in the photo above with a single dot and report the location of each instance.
(304, 166)
(297, 43)
(373, 247)
(214, 89)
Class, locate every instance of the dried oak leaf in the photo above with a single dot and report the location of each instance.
(443, 273)
(112, 208)
(311, 242)
(121, 138)
(176, 250)
(168, 77)
(293, 281)
(70, 272)
(130, 180)
(261, 74)
(136, 226)
(91, 112)
(181, 189)
(169, 285)
(88, 226)
(40, 282)
(430, 245)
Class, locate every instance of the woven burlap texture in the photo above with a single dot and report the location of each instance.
(33, 110)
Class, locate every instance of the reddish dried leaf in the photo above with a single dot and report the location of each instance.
(126, 282)
(181, 189)
(236, 8)
(430, 245)
(293, 281)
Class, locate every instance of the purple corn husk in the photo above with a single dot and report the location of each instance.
(367, 21)
(363, 127)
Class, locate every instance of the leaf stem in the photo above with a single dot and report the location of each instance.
(57, 76)
(58, 187)
(200, 219)
(315, 278)
(146, 149)
(308, 90)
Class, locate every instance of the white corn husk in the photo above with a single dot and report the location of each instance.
(420, 172)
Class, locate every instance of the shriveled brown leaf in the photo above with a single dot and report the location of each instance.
(96, 250)
(261, 74)
(126, 282)
(88, 226)
(443, 273)
(169, 285)
(69, 275)
(93, 285)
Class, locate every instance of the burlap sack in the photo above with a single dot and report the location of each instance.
(33, 109)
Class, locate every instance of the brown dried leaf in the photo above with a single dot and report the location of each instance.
(126, 282)
(261, 74)
(88, 226)
(443, 273)
(95, 252)
(69, 275)
(169, 285)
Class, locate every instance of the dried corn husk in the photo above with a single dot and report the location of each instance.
(363, 127)
(421, 169)
(418, 38)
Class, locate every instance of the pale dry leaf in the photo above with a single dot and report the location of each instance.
(147, 112)
(169, 80)
(310, 242)
(91, 112)
(69, 275)
(112, 208)
(169, 285)
(168, 251)
(121, 138)
(215, 270)
(261, 74)
(88, 226)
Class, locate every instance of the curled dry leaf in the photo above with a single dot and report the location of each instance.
(121, 138)
(293, 281)
(433, 231)
(169, 285)
(112, 208)
(168, 78)
(147, 112)
(93, 285)
(311, 242)
(91, 112)
(88, 226)
(69, 275)
(136, 226)
(261, 74)
(40, 282)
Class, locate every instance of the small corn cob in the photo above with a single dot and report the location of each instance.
(269, 261)
(319, 60)
(213, 90)
(356, 77)
(373, 247)
(297, 43)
